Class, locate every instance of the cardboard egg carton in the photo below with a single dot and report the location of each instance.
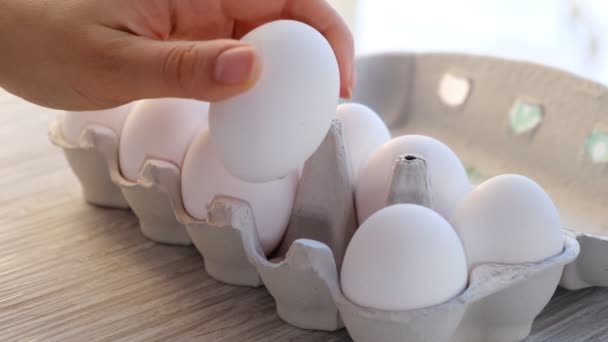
(88, 160)
(156, 200)
(503, 116)
(500, 302)
(95, 162)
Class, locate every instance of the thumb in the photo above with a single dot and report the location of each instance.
(206, 70)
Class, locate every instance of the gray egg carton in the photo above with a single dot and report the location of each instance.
(500, 302)
(90, 160)
(478, 121)
(94, 161)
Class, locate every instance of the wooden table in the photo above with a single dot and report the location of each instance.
(72, 272)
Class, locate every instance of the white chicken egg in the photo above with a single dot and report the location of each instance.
(74, 123)
(364, 132)
(204, 177)
(160, 129)
(508, 219)
(273, 128)
(449, 180)
(403, 257)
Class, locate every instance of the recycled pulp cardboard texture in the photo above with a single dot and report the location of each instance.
(323, 211)
(324, 208)
(154, 198)
(90, 166)
(329, 218)
(499, 304)
(410, 182)
(304, 280)
(479, 132)
(95, 162)
(485, 318)
(488, 310)
(304, 277)
(501, 311)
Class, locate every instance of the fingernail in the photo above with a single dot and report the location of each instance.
(346, 93)
(349, 93)
(235, 66)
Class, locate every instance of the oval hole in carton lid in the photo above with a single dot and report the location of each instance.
(454, 90)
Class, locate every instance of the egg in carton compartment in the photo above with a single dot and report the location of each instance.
(303, 278)
(508, 116)
(499, 304)
(296, 264)
(90, 162)
(322, 223)
(95, 162)
(156, 199)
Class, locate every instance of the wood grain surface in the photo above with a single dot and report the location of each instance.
(72, 272)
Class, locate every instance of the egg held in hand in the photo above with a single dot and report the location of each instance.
(403, 257)
(74, 123)
(448, 177)
(508, 219)
(160, 129)
(364, 132)
(204, 177)
(272, 129)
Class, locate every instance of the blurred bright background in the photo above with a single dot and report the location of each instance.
(568, 34)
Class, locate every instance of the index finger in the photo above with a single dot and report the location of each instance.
(316, 13)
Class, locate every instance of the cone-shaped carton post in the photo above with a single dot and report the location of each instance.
(324, 209)
(410, 182)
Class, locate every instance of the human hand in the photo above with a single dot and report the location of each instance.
(97, 54)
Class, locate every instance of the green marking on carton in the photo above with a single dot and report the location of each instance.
(597, 147)
(525, 117)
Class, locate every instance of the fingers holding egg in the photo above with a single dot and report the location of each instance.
(160, 129)
(270, 130)
(204, 177)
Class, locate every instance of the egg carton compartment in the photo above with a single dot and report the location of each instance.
(322, 223)
(90, 163)
(95, 163)
(323, 216)
(499, 304)
(502, 116)
(156, 200)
